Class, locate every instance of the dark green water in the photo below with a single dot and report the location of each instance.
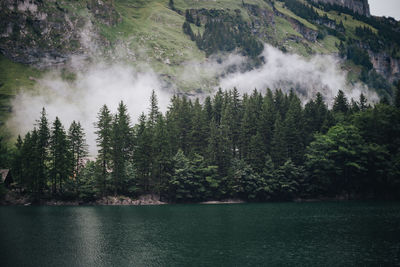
(274, 234)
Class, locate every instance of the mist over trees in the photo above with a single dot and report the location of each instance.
(255, 147)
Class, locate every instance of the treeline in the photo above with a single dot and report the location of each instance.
(326, 25)
(222, 32)
(387, 27)
(256, 148)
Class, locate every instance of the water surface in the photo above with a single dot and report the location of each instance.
(273, 234)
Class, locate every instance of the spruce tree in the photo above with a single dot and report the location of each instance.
(199, 133)
(78, 148)
(278, 149)
(363, 102)
(141, 155)
(340, 104)
(293, 130)
(60, 157)
(17, 167)
(121, 146)
(267, 119)
(30, 161)
(104, 131)
(43, 137)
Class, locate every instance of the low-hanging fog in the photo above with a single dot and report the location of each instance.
(320, 73)
(101, 83)
(81, 100)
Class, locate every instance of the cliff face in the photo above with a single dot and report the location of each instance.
(358, 6)
(48, 32)
(386, 65)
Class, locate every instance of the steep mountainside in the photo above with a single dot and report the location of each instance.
(37, 35)
(357, 6)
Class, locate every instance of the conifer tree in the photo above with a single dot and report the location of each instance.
(17, 167)
(43, 137)
(79, 149)
(293, 130)
(199, 133)
(104, 132)
(363, 102)
(267, 119)
(121, 146)
(141, 155)
(60, 157)
(341, 103)
(278, 149)
(153, 119)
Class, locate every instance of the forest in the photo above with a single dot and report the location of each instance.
(255, 147)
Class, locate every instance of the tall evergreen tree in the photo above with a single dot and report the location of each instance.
(293, 130)
(141, 155)
(17, 167)
(341, 104)
(43, 137)
(104, 132)
(60, 157)
(78, 148)
(121, 144)
(278, 149)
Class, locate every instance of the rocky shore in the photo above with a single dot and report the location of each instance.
(14, 199)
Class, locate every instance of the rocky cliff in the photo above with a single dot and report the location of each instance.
(48, 32)
(357, 6)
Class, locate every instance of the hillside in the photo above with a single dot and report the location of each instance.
(176, 36)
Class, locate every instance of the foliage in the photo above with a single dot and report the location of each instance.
(223, 32)
(256, 148)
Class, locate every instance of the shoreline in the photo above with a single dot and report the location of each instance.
(15, 199)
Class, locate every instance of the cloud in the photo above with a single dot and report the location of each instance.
(99, 83)
(320, 73)
(81, 100)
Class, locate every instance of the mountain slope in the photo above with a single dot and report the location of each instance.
(169, 35)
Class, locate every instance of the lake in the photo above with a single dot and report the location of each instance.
(294, 234)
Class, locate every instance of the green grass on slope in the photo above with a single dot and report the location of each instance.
(152, 26)
(13, 77)
(153, 34)
(349, 23)
(280, 7)
(220, 4)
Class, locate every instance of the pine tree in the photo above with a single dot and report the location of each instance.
(78, 148)
(278, 149)
(218, 151)
(154, 111)
(153, 119)
(104, 132)
(60, 157)
(293, 130)
(30, 161)
(43, 137)
(121, 146)
(162, 154)
(141, 154)
(234, 123)
(267, 120)
(199, 132)
(340, 104)
(17, 167)
(363, 102)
